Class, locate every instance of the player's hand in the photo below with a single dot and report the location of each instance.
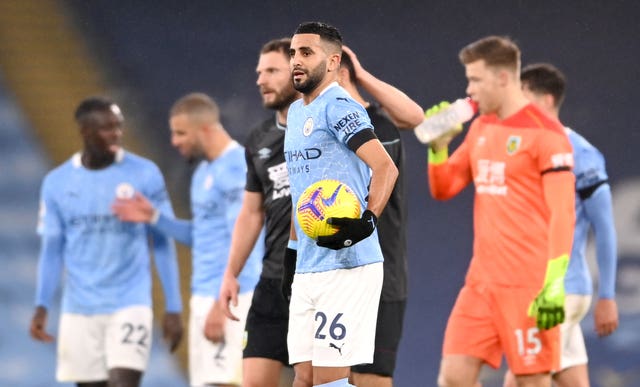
(38, 326)
(605, 315)
(137, 209)
(357, 67)
(214, 325)
(444, 140)
(289, 270)
(548, 306)
(351, 231)
(172, 330)
(229, 295)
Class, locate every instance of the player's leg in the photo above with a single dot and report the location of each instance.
(265, 350)
(388, 333)
(218, 364)
(573, 360)
(470, 339)
(81, 350)
(128, 345)
(124, 377)
(303, 374)
(531, 353)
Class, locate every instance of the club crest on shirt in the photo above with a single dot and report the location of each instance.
(513, 144)
(124, 191)
(208, 182)
(307, 127)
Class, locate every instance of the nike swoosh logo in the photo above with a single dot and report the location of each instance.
(333, 197)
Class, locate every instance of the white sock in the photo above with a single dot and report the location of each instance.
(337, 383)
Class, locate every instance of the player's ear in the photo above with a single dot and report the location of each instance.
(333, 63)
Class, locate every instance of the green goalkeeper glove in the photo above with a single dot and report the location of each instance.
(438, 147)
(548, 306)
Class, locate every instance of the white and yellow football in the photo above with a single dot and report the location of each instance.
(322, 200)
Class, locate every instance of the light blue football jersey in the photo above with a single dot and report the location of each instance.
(106, 261)
(316, 148)
(217, 188)
(592, 213)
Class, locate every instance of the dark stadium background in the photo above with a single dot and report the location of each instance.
(155, 51)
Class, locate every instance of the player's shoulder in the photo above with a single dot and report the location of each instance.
(260, 130)
(589, 161)
(531, 117)
(63, 170)
(130, 159)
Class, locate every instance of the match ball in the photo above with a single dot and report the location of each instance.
(322, 200)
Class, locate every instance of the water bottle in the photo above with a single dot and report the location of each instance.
(459, 112)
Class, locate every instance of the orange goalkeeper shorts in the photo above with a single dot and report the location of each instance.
(488, 321)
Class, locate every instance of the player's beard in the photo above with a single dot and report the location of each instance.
(314, 77)
(282, 99)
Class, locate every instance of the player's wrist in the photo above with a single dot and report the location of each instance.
(437, 154)
(155, 216)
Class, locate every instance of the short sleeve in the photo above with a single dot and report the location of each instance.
(346, 117)
(554, 151)
(49, 218)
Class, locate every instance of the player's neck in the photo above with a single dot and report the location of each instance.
(512, 103)
(216, 143)
(313, 94)
(97, 161)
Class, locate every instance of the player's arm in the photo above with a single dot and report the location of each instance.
(383, 174)
(290, 261)
(140, 209)
(166, 262)
(448, 176)
(50, 264)
(404, 112)
(245, 234)
(597, 203)
(232, 203)
(383, 178)
(559, 195)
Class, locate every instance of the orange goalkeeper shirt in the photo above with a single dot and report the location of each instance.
(524, 195)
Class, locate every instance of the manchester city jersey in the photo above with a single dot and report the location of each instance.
(589, 168)
(315, 149)
(216, 197)
(106, 261)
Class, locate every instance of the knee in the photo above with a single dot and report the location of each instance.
(303, 377)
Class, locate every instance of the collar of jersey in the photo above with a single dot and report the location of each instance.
(76, 159)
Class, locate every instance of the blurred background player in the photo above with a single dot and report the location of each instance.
(216, 198)
(393, 110)
(106, 323)
(266, 199)
(520, 163)
(338, 278)
(544, 85)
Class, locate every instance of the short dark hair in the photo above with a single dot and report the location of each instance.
(496, 51)
(92, 104)
(326, 31)
(347, 63)
(195, 103)
(545, 78)
(281, 45)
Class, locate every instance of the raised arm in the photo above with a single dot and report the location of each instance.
(404, 112)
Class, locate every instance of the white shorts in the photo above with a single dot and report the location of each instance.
(332, 316)
(573, 351)
(221, 363)
(90, 345)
